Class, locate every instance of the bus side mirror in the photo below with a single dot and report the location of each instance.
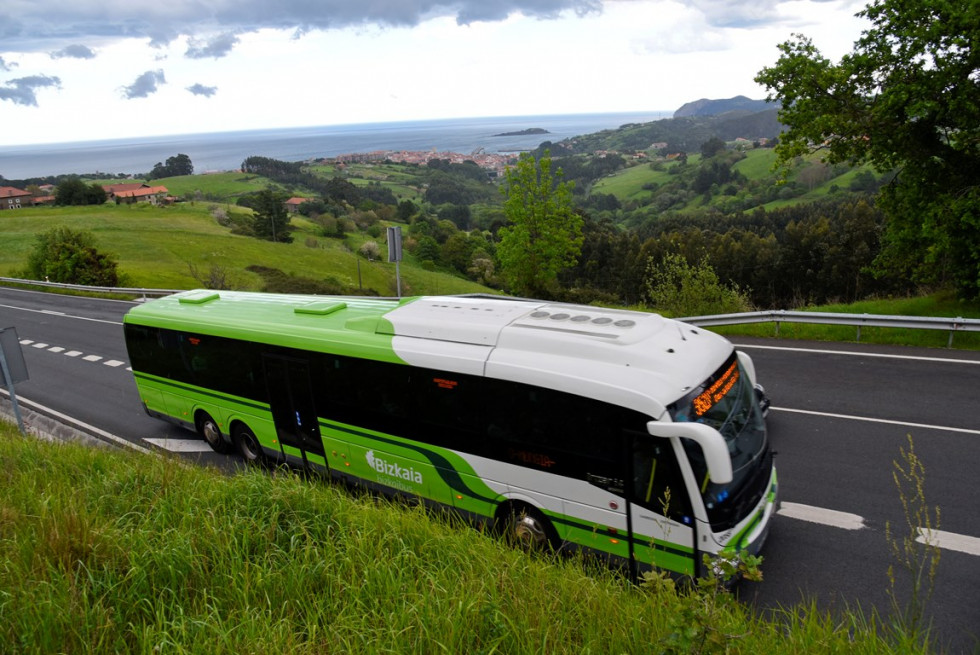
(710, 440)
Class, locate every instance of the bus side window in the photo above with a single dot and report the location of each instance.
(657, 481)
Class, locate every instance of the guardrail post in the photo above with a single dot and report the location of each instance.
(956, 323)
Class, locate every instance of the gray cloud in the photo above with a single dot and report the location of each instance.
(201, 90)
(4, 66)
(21, 90)
(145, 85)
(42, 22)
(75, 51)
(736, 13)
(217, 47)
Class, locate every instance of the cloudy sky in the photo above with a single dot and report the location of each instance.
(97, 69)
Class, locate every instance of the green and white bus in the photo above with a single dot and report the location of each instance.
(621, 433)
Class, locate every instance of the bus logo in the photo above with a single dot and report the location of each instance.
(392, 469)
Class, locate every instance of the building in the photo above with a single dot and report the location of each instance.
(128, 194)
(14, 198)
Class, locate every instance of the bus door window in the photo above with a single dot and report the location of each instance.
(657, 481)
(291, 400)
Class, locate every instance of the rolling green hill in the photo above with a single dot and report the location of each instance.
(730, 182)
(162, 247)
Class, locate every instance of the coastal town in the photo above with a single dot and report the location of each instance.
(492, 161)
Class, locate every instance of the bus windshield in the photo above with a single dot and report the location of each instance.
(727, 402)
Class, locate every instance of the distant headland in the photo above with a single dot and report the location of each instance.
(529, 131)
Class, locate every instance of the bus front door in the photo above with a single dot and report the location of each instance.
(294, 411)
(661, 519)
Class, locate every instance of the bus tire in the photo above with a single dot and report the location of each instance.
(248, 445)
(527, 528)
(208, 428)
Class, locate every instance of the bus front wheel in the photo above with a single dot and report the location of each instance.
(208, 428)
(529, 529)
(248, 445)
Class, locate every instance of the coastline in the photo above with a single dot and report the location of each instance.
(222, 151)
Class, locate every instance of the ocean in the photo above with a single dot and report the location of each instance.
(222, 151)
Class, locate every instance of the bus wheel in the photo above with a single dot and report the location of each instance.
(248, 445)
(529, 529)
(208, 428)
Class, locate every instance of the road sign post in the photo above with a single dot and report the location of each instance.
(395, 253)
(13, 369)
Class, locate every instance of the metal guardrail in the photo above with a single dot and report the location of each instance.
(777, 316)
(129, 291)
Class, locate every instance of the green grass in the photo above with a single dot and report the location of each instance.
(628, 183)
(109, 552)
(757, 164)
(157, 246)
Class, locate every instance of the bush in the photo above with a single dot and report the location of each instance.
(675, 287)
(70, 257)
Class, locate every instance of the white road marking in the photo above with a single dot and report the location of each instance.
(180, 445)
(822, 516)
(45, 311)
(72, 421)
(949, 541)
(905, 424)
(846, 521)
(948, 360)
(114, 363)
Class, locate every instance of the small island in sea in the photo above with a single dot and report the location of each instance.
(530, 130)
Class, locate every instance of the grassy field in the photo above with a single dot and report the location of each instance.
(157, 247)
(109, 552)
(628, 183)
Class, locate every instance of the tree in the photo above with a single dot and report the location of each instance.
(906, 99)
(75, 192)
(543, 235)
(712, 147)
(68, 256)
(271, 218)
(179, 165)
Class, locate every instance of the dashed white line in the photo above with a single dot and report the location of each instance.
(833, 518)
(949, 541)
(113, 363)
(846, 521)
(180, 445)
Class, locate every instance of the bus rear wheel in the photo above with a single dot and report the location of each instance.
(208, 428)
(248, 445)
(527, 528)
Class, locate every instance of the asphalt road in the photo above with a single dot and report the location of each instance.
(842, 414)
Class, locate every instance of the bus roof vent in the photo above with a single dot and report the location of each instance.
(321, 308)
(199, 297)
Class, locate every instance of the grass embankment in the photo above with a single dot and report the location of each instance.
(108, 552)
